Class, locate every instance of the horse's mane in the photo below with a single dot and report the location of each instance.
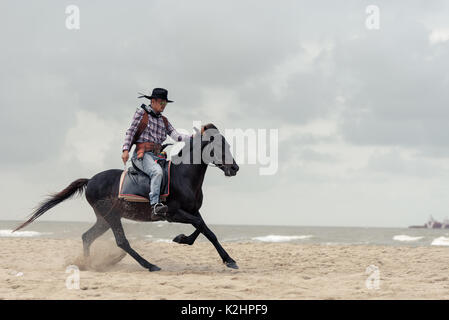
(209, 126)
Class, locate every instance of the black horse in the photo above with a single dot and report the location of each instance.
(184, 201)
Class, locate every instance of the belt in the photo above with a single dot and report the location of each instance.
(143, 147)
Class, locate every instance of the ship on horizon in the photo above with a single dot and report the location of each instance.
(434, 224)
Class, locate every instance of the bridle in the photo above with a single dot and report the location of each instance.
(212, 164)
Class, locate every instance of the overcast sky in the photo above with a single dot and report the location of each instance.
(362, 114)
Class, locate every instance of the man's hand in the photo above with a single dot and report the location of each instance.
(125, 156)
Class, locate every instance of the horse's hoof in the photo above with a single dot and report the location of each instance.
(232, 265)
(183, 239)
(179, 238)
(154, 268)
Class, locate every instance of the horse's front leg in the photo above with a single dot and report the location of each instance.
(185, 217)
(183, 239)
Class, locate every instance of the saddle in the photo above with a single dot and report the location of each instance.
(135, 183)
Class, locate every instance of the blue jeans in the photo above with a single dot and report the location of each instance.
(154, 171)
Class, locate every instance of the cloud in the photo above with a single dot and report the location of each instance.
(361, 114)
(89, 140)
(439, 36)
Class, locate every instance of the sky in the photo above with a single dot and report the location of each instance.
(361, 113)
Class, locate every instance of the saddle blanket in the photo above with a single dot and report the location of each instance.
(135, 183)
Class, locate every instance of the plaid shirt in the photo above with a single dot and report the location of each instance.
(154, 132)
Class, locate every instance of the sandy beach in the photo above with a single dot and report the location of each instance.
(33, 268)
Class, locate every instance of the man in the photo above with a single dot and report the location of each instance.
(148, 144)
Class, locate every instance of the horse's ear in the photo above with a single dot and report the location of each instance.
(196, 130)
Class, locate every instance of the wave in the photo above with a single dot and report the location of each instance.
(406, 238)
(126, 221)
(163, 240)
(160, 224)
(19, 234)
(152, 239)
(346, 243)
(279, 238)
(441, 241)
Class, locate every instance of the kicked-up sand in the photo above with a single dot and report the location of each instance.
(36, 268)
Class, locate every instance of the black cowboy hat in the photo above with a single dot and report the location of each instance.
(158, 93)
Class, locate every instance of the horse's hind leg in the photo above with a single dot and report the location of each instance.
(93, 233)
(119, 234)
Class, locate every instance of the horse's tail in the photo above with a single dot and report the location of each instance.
(77, 186)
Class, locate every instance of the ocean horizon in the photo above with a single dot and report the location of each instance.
(165, 232)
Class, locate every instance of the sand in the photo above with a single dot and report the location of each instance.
(35, 268)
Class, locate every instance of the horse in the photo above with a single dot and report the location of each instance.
(183, 202)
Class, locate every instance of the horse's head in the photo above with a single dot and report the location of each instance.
(216, 150)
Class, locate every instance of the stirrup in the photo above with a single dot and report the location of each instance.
(162, 211)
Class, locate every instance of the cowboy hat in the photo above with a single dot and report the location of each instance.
(158, 93)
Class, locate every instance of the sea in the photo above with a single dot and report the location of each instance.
(165, 232)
